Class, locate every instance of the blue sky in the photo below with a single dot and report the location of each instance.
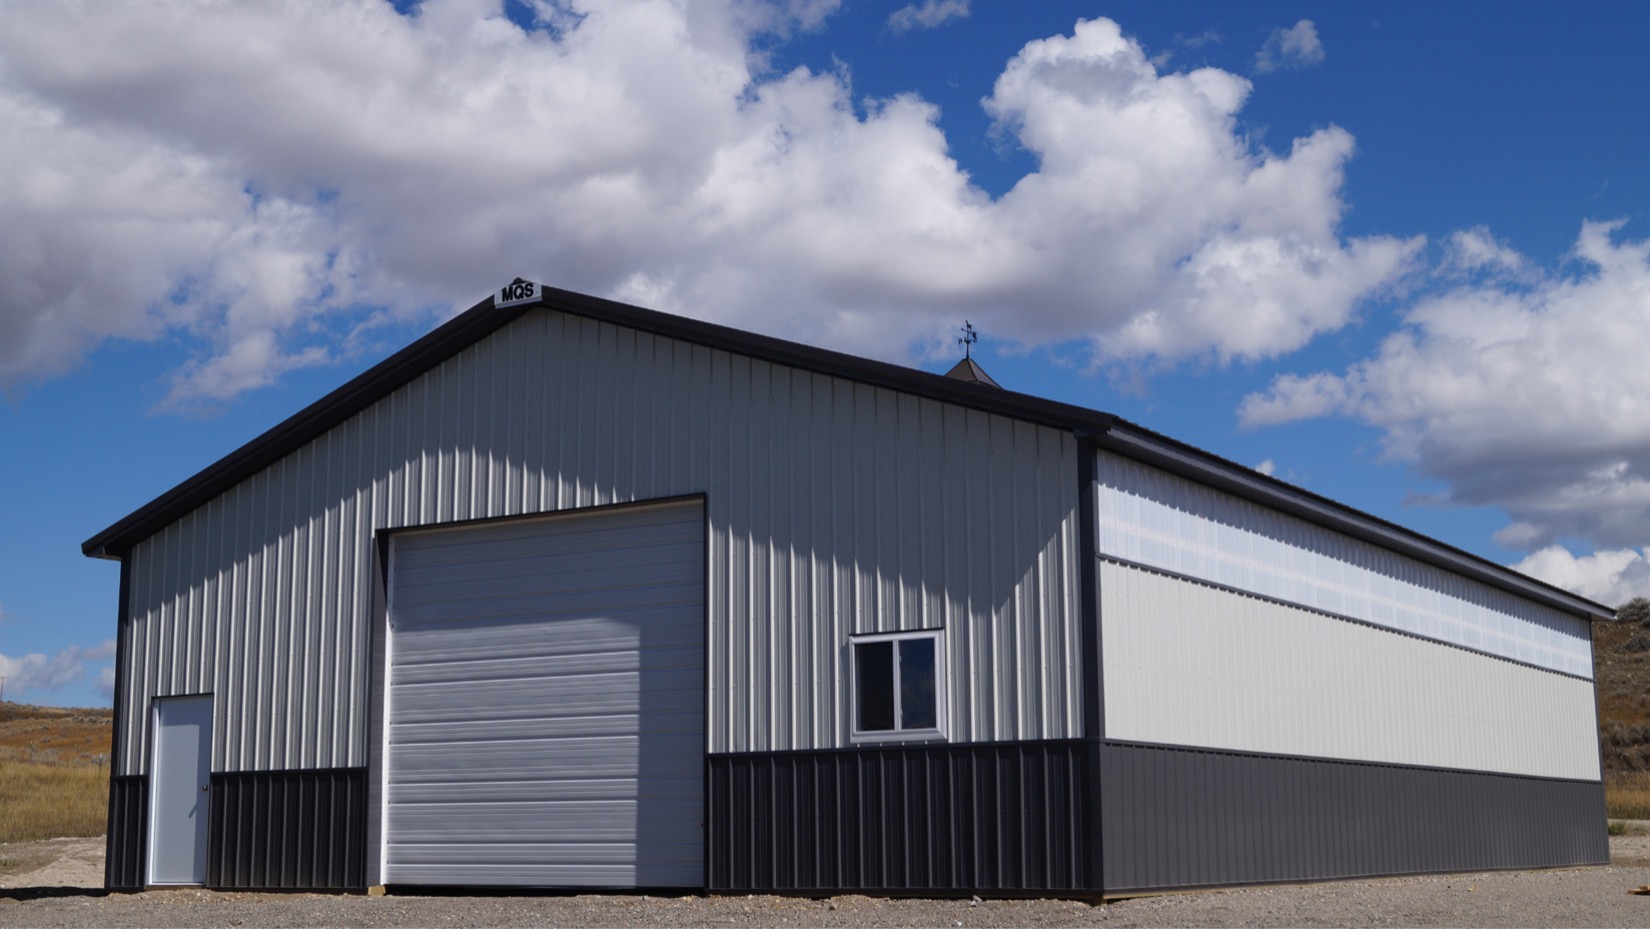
(1395, 253)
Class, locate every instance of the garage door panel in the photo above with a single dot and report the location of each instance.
(514, 790)
(588, 756)
(545, 716)
(600, 631)
(530, 854)
(635, 531)
(575, 572)
(532, 867)
(512, 596)
(508, 607)
(616, 528)
(426, 662)
(667, 755)
(550, 680)
(520, 698)
(510, 575)
(602, 693)
(617, 877)
(546, 753)
(429, 669)
(615, 821)
(471, 641)
(531, 728)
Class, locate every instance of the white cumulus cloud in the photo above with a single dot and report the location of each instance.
(1609, 577)
(1477, 251)
(41, 674)
(1295, 47)
(1526, 391)
(926, 15)
(263, 179)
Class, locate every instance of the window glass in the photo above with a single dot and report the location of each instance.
(898, 690)
(916, 684)
(874, 668)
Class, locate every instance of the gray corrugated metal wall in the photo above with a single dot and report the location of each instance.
(1198, 666)
(1149, 517)
(1307, 642)
(1178, 817)
(834, 508)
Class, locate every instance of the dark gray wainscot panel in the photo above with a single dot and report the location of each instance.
(123, 867)
(291, 829)
(1178, 817)
(1001, 818)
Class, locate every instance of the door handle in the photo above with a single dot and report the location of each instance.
(205, 788)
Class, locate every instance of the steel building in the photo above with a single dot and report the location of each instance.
(574, 594)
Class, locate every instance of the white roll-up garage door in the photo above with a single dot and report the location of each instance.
(545, 716)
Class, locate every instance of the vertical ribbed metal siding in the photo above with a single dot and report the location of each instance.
(125, 865)
(1149, 517)
(303, 829)
(835, 508)
(941, 818)
(1177, 817)
(1193, 665)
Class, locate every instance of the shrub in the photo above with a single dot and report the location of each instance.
(1619, 734)
(1636, 611)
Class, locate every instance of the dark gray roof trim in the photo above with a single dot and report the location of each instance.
(1128, 439)
(1190, 462)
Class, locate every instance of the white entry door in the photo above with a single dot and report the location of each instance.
(179, 777)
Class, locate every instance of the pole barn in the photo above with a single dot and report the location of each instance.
(571, 594)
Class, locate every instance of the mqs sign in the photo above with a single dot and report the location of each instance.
(516, 292)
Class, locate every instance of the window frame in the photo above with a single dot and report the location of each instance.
(940, 730)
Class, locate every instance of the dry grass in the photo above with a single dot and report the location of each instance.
(1627, 795)
(39, 801)
(54, 772)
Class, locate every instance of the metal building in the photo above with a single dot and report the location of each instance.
(574, 594)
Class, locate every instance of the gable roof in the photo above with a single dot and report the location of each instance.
(1105, 430)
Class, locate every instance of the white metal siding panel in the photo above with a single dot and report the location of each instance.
(1193, 665)
(546, 702)
(1149, 517)
(834, 508)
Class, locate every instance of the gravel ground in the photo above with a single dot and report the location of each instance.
(52, 884)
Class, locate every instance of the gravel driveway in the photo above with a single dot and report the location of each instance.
(51, 884)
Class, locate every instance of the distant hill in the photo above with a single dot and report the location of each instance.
(55, 736)
(1621, 654)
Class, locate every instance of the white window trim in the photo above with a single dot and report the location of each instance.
(941, 676)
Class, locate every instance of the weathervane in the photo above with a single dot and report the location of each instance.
(968, 339)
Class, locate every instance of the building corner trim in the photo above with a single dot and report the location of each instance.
(1093, 669)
